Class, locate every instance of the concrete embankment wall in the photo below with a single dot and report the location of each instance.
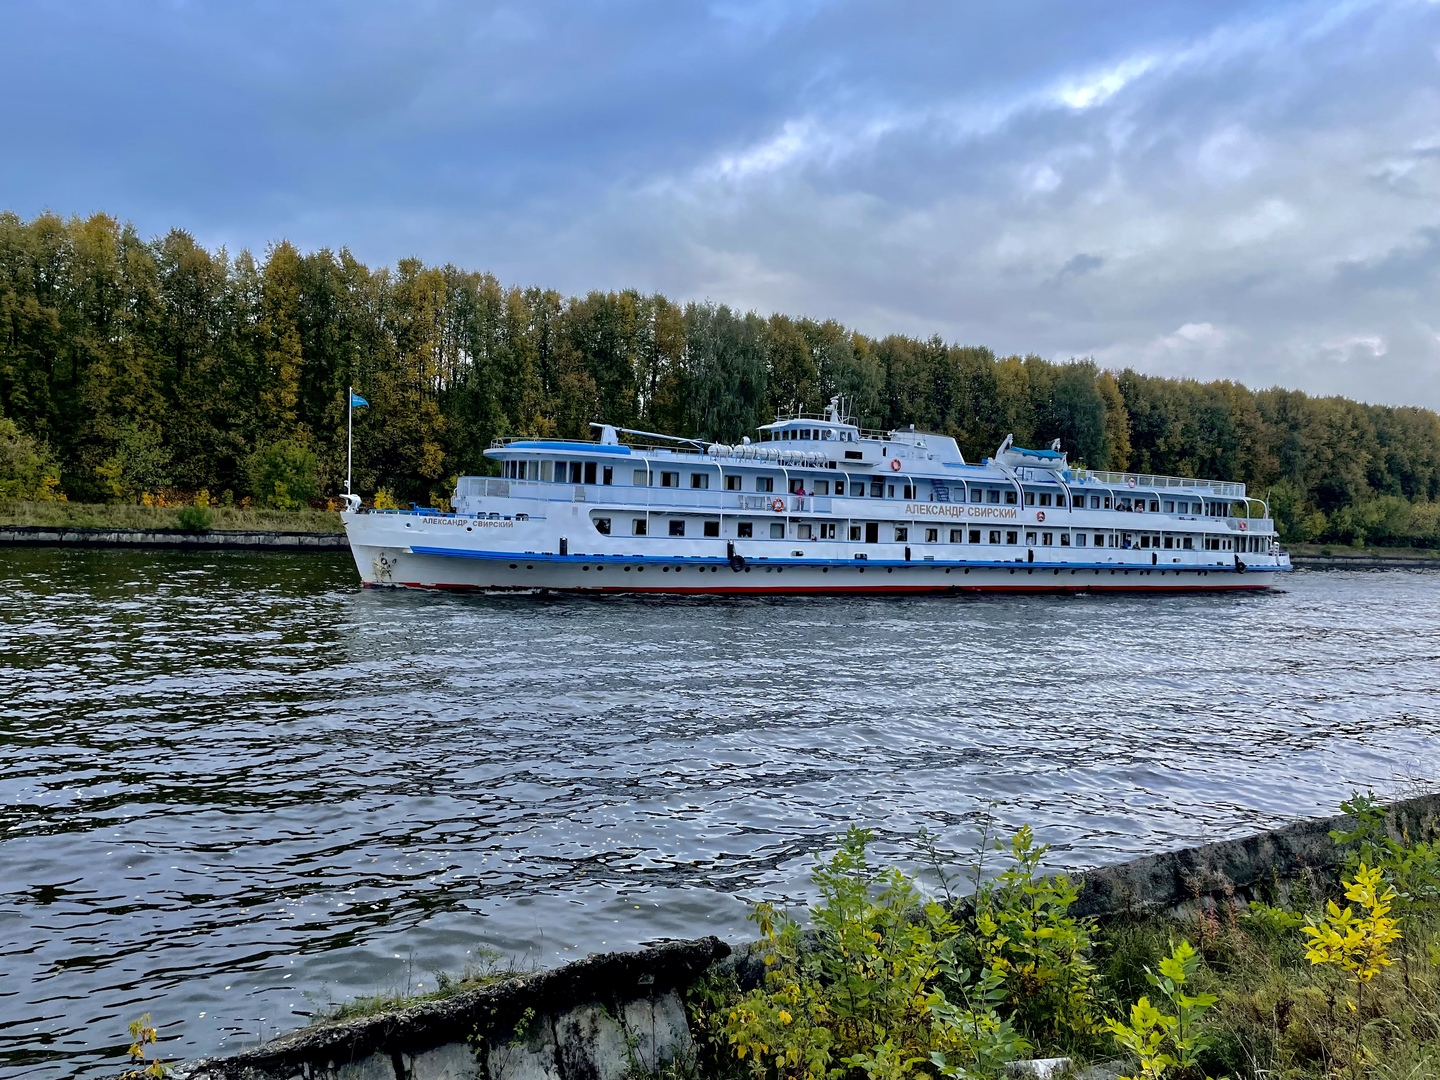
(1363, 562)
(47, 536)
(617, 1015)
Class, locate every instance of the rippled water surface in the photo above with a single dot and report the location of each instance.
(233, 787)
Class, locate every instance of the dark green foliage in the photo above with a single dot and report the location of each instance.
(130, 367)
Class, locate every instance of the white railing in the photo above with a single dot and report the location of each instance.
(1222, 488)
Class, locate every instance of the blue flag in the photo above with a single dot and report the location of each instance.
(356, 401)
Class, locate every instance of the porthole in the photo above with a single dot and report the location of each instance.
(824, 570)
(584, 568)
(747, 569)
(889, 570)
(639, 569)
(627, 569)
(664, 569)
(514, 566)
(469, 528)
(529, 566)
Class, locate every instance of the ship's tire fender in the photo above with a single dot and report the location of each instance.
(737, 562)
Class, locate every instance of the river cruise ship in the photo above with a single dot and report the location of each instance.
(816, 505)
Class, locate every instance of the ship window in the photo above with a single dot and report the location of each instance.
(1029, 539)
(732, 483)
(669, 479)
(902, 534)
(857, 490)
(1095, 502)
(872, 532)
(1189, 544)
(909, 492)
(607, 475)
(889, 491)
(640, 478)
(1059, 498)
(1010, 498)
(977, 495)
(854, 455)
(1099, 539)
(677, 527)
(637, 527)
(575, 467)
(712, 528)
(1145, 542)
(797, 486)
(827, 530)
(699, 480)
(1154, 506)
(877, 489)
(993, 495)
(1169, 506)
(1029, 498)
(994, 536)
(957, 536)
(1044, 498)
(1064, 539)
(1079, 540)
(855, 533)
(974, 536)
(822, 487)
(546, 470)
(1107, 501)
(589, 472)
(745, 530)
(777, 530)
(1047, 539)
(764, 483)
(932, 536)
(803, 532)
(602, 526)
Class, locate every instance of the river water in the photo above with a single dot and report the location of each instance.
(234, 787)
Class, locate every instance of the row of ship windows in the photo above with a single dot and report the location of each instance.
(869, 533)
(587, 472)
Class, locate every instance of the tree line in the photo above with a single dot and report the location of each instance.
(133, 367)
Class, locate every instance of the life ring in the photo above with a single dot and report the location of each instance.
(1130, 480)
(894, 464)
(1243, 526)
(1040, 515)
(778, 505)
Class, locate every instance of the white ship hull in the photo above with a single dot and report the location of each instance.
(422, 551)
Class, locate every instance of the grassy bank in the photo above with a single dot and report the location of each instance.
(117, 516)
(885, 983)
(1369, 554)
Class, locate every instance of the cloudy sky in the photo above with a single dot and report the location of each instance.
(1213, 189)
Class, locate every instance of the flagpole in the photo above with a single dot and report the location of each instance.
(349, 435)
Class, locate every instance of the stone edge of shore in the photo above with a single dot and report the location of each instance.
(235, 539)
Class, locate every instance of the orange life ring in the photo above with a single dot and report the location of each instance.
(895, 464)
(1040, 515)
(777, 505)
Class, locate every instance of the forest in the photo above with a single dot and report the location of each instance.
(136, 370)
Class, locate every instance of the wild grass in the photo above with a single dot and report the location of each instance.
(489, 967)
(122, 516)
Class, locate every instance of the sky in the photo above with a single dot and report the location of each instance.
(1247, 191)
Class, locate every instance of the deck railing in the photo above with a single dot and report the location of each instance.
(1223, 488)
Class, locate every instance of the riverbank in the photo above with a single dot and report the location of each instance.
(1342, 557)
(1223, 920)
(112, 517)
(233, 539)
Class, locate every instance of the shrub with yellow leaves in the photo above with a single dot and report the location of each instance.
(1355, 943)
(144, 1035)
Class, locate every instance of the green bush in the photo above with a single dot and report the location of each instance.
(195, 518)
(283, 475)
(138, 464)
(878, 991)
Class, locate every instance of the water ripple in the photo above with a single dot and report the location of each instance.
(233, 786)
